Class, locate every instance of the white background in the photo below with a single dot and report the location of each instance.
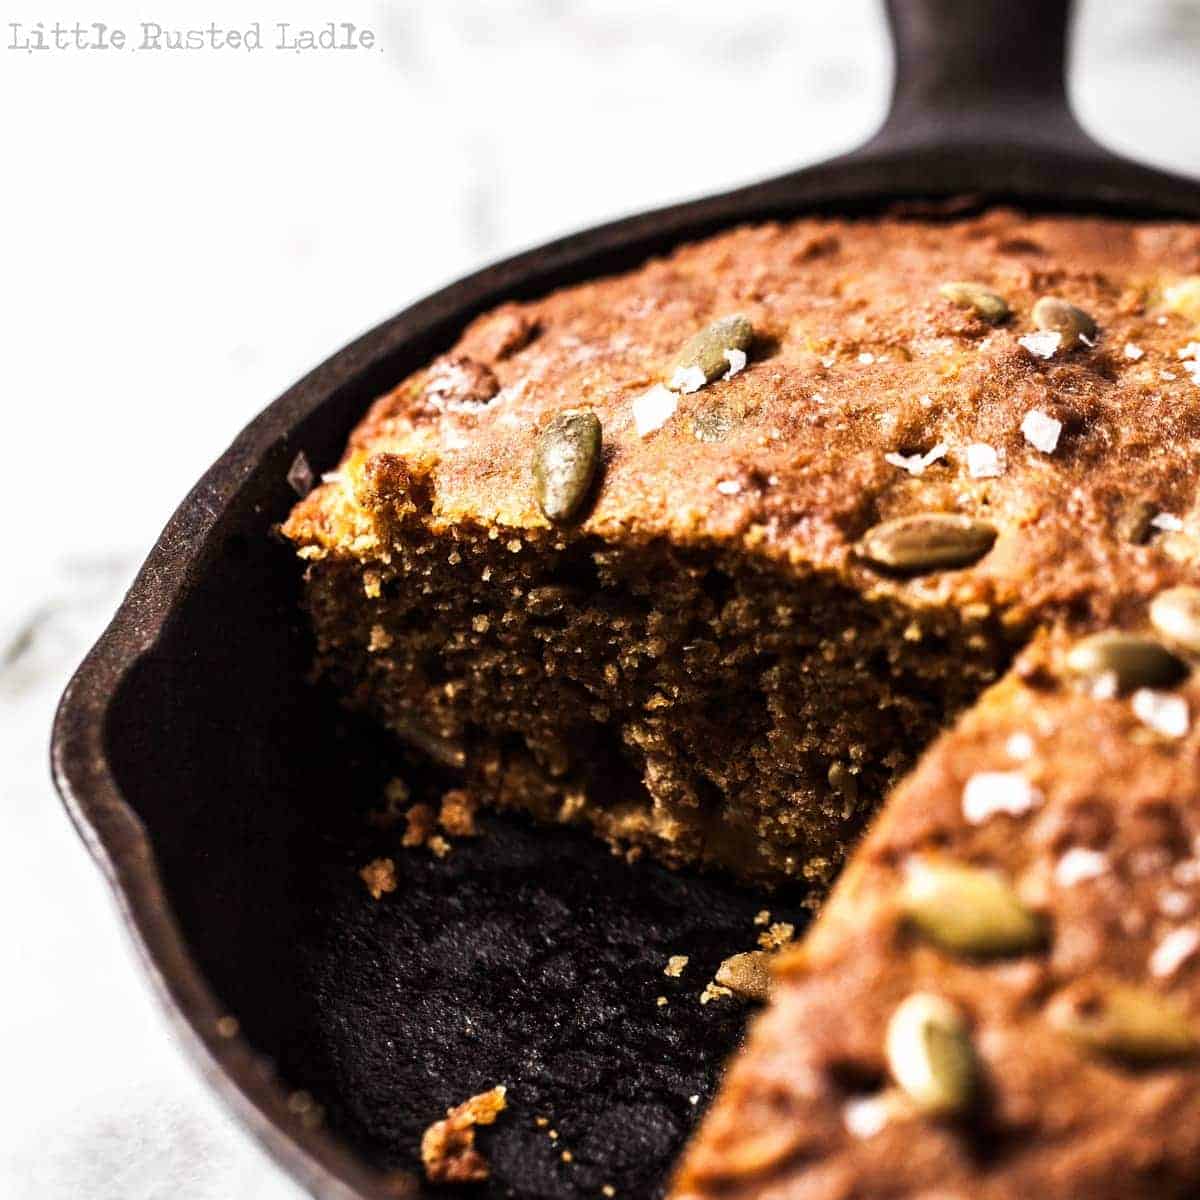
(185, 234)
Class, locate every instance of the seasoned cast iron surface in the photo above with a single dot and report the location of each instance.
(531, 958)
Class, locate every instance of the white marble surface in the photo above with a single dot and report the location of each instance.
(185, 234)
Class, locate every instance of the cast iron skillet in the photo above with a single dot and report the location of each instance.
(223, 797)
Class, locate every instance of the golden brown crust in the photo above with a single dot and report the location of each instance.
(809, 421)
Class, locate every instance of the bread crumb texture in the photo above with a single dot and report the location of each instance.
(448, 1146)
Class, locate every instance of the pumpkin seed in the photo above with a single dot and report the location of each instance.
(1077, 327)
(1124, 1021)
(704, 352)
(985, 304)
(1131, 660)
(746, 974)
(564, 463)
(1175, 613)
(927, 542)
(929, 1054)
(967, 910)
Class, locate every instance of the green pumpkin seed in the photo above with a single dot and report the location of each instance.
(930, 1056)
(564, 463)
(746, 974)
(985, 304)
(1175, 613)
(927, 542)
(1123, 1021)
(705, 351)
(967, 910)
(1077, 327)
(1131, 660)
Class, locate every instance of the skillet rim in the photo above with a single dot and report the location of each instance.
(879, 176)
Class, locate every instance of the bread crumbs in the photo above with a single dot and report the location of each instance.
(448, 1146)
(777, 936)
(457, 816)
(420, 827)
(714, 991)
(380, 876)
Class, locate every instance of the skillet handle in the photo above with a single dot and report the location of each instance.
(981, 73)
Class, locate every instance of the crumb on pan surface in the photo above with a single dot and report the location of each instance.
(448, 1146)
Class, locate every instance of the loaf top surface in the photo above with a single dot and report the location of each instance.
(1083, 459)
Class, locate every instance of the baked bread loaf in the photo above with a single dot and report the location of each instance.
(1001, 998)
(705, 555)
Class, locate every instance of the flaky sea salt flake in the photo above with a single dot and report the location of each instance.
(1174, 950)
(1164, 712)
(1078, 865)
(1043, 344)
(736, 360)
(915, 464)
(1134, 352)
(687, 380)
(1019, 747)
(985, 461)
(1167, 522)
(653, 409)
(989, 793)
(865, 1116)
(1041, 430)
